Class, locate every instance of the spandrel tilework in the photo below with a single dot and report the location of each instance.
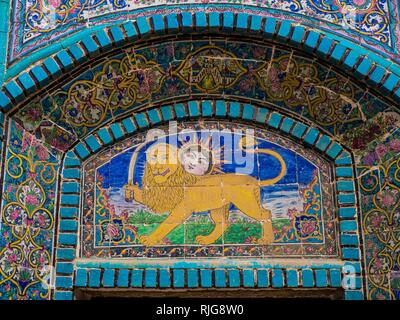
(144, 75)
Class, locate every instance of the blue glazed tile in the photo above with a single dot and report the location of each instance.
(67, 239)
(192, 278)
(248, 278)
(104, 136)
(64, 268)
(90, 45)
(93, 144)
(66, 253)
(323, 142)
(324, 47)
(335, 277)
(262, 114)
(82, 151)
(345, 186)
(248, 112)
(70, 187)
(94, 278)
(143, 26)
(348, 198)
(40, 75)
(307, 278)
(123, 278)
(64, 282)
(117, 131)
(354, 295)
(220, 278)
(228, 20)
(206, 278)
(129, 126)
(150, 278)
(311, 41)
(81, 277)
(270, 26)
(69, 199)
(255, 23)
(311, 136)
(206, 108)
(234, 278)
(277, 278)
(52, 67)
(242, 20)
(284, 30)
(200, 20)
(179, 278)
(334, 150)
(292, 278)
(194, 110)
(180, 111)
(68, 225)
(344, 172)
(349, 239)
(77, 53)
(165, 280)
(287, 124)
(65, 59)
(262, 278)
(5, 101)
(63, 295)
(154, 116)
(275, 120)
(27, 82)
(220, 108)
(338, 53)
(158, 24)
(363, 68)
(137, 278)
(71, 174)
(348, 225)
(141, 120)
(234, 109)
(299, 130)
(109, 278)
(166, 113)
(214, 21)
(187, 21)
(118, 36)
(351, 253)
(130, 32)
(321, 278)
(68, 212)
(172, 22)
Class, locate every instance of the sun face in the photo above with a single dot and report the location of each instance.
(198, 157)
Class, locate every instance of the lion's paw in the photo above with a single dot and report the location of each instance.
(204, 240)
(148, 240)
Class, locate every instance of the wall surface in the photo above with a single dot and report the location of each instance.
(83, 206)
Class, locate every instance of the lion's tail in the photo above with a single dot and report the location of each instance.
(276, 155)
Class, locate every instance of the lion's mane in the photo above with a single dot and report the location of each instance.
(164, 197)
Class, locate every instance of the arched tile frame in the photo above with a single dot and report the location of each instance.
(382, 75)
(72, 272)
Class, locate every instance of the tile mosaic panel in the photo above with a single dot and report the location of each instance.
(203, 206)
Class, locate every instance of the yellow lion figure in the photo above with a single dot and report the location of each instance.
(167, 187)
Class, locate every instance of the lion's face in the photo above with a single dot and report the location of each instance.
(162, 162)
